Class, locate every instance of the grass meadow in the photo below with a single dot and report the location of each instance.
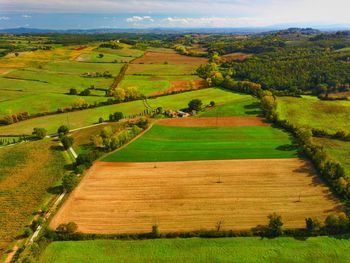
(167, 143)
(245, 250)
(339, 151)
(311, 112)
(87, 117)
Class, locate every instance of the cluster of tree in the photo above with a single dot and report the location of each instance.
(117, 116)
(110, 140)
(70, 181)
(39, 133)
(224, 78)
(111, 44)
(294, 70)
(105, 74)
(188, 52)
(255, 45)
(15, 117)
(66, 140)
(126, 94)
(333, 224)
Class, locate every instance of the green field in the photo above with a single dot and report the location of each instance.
(166, 143)
(27, 171)
(83, 118)
(338, 150)
(245, 250)
(311, 112)
(246, 106)
(38, 81)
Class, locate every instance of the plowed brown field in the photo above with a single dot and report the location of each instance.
(185, 196)
(180, 86)
(214, 122)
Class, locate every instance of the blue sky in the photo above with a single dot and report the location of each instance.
(83, 14)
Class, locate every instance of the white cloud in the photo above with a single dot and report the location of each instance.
(214, 22)
(4, 18)
(26, 16)
(137, 19)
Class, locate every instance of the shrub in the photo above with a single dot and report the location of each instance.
(73, 91)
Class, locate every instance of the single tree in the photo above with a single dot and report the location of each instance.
(39, 133)
(195, 105)
(69, 181)
(67, 141)
(63, 129)
(275, 225)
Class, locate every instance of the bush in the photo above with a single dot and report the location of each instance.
(73, 91)
(69, 228)
(85, 92)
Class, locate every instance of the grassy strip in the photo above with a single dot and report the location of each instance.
(320, 249)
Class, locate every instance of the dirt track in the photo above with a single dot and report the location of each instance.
(185, 196)
(214, 122)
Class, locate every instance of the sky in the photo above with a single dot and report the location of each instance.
(89, 14)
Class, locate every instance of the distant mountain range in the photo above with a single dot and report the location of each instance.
(247, 30)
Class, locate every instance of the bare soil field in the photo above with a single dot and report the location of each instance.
(158, 57)
(186, 196)
(214, 122)
(180, 86)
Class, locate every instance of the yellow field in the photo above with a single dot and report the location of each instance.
(186, 196)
